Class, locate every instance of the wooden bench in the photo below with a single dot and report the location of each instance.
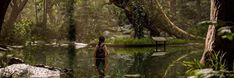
(160, 40)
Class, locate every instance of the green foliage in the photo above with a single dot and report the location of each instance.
(178, 41)
(22, 30)
(225, 32)
(130, 41)
(3, 58)
(217, 61)
(146, 40)
(200, 29)
(133, 50)
(205, 23)
(228, 36)
(192, 66)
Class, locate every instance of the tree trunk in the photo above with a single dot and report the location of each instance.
(16, 7)
(50, 10)
(44, 13)
(137, 19)
(156, 18)
(221, 13)
(135, 15)
(160, 19)
(198, 6)
(3, 8)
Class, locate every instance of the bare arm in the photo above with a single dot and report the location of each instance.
(106, 51)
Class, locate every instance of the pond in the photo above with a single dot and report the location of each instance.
(121, 61)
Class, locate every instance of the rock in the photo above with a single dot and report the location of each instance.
(106, 33)
(132, 76)
(77, 45)
(159, 54)
(14, 60)
(17, 47)
(25, 70)
(207, 73)
(80, 45)
(63, 72)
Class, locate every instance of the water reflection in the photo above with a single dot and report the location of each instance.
(137, 65)
(36, 54)
(121, 61)
(71, 55)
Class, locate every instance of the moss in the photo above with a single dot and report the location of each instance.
(130, 41)
(178, 41)
(146, 40)
(132, 50)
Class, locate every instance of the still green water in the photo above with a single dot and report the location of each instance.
(121, 61)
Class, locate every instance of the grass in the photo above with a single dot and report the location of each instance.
(216, 63)
(130, 41)
(146, 40)
(132, 50)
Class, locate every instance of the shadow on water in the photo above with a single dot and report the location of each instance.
(71, 54)
(38, 55)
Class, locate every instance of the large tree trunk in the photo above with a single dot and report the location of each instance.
(16, 7)
(161, 20)
(135, 15)
(156, 18)
(3, 8)
(221, 13)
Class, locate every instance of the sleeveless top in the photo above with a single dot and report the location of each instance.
(100, 52)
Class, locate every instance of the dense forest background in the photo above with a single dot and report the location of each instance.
(138, 34)
(45, 20)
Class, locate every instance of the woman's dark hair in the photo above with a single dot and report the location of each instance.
(101, 40)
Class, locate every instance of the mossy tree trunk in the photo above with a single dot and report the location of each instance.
(71, 33)
(160, 20)
(136, 16)
(222, 15)
(154, 16)
(15, 8)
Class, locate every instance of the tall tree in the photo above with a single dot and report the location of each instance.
(71, 33)
(3, 8)
(45, 6)
(16, 7)
(218, 37)
(198, 7)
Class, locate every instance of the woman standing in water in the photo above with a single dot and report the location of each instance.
(100, 56)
